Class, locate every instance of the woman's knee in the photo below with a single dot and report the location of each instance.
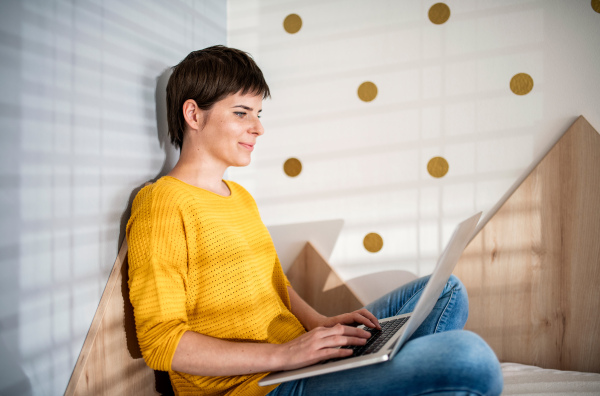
(460, 290)
(452, 362)
(457, 286)
(477, 364)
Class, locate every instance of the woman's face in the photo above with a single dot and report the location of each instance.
(230, 133)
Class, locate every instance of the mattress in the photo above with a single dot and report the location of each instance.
(520, 379)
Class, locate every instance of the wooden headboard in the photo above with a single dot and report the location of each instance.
(110, 362)
(533, 271)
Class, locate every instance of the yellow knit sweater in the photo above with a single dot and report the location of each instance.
(202, 262)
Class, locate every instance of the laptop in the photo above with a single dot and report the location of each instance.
(384, 344)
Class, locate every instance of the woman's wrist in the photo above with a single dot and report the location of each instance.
(276, 357)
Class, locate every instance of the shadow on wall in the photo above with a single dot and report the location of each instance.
(13, 380)
(171, 153)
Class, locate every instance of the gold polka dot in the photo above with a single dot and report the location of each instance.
(437, 167)
(521, 84)
(292, 167)
(596, 5)
(367, 91)
(439, 13)
(292, 23)
(373, 242)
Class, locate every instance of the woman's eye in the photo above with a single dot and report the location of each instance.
(239, 113)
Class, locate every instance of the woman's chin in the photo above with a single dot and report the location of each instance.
(242, 162)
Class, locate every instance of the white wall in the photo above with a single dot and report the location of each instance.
(443, 91)
(78, 133)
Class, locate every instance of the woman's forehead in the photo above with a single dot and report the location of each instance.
(249, 99)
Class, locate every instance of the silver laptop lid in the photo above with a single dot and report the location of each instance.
(443, 269)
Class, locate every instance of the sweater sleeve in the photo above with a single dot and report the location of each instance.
(157, 276)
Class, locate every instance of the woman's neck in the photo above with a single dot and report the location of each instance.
(192, 169)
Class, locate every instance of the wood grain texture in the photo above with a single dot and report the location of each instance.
(533, 271)
(318, 284)
(110, 362)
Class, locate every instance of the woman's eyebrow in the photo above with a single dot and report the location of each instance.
(245, 108)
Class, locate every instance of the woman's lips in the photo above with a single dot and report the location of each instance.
(248, 146)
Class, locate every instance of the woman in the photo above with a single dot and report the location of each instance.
(212, 305)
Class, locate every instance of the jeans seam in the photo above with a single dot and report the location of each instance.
(409, 300)
(444, 311)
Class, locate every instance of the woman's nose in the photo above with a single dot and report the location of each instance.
(257, 128)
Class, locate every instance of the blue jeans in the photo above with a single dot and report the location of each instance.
(439, 358)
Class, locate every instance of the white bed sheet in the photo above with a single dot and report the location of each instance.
(524, 380)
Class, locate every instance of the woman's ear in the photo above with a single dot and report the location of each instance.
(192, 114)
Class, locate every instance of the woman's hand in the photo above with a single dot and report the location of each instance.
(319, 344)
(360, 317)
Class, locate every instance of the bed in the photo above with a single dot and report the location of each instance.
(520, 379)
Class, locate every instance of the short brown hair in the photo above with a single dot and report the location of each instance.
(207, 76)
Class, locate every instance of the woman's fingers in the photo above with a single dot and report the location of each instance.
(363, 317)
(340, 335)
(326, 342)
(322, 343)
(340, 329)
(371, 318)
(333, 337)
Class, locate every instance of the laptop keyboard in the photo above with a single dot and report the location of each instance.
(377, 340)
